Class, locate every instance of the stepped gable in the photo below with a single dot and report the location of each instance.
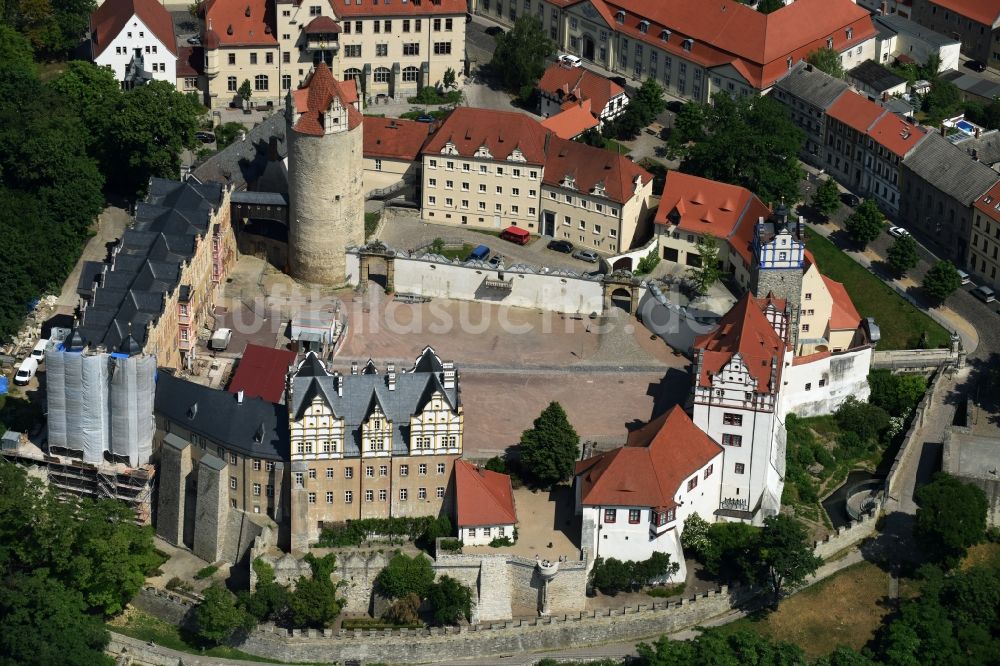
(649, 470)
(744, 330)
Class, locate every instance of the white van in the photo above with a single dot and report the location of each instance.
(220, 339)
(29, 367)
(38, 353)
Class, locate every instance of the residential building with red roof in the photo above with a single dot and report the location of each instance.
(634, 499)
(191, 69)
(692, 208)
(975, 22)
(261, 373)
(390, 49)
(121, 28)
(392, 151)
(865, 146)
(828, 320)
(562, 84)
(484, 505)
(572, 120)
(493, 169)
(695, 49)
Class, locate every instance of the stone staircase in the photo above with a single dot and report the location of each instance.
(494, 590)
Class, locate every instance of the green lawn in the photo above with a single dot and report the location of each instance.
(901, 324)
(615, 147)
(371, 223)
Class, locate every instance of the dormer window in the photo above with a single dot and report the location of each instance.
(665, 35)
(687, 44)
(850, 33)
(620, 16)
(829, 42)
(788, 62)
(643, 26)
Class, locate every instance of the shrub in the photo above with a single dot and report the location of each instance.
(356, 532)
(450, 544)
(500, 542)
(647, 263)
(611, 576)
(664, 591)
(451, 601)
(403, 611)
(264, 571)
(865, 420)
(206, 572)
(405, 575)
(496, 464)
(694, 538)
(176, 583)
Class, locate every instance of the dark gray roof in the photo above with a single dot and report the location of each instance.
(950, 169)
(145, 265)
(895, 24)
(811, 85)
(255, 427)
(260, 198)
(973, 84)
(361, 392)
(875, 76)
(986, 147)
(243, 163)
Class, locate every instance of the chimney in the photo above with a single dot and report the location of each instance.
(885, 97)
(390, 378)
(979, 131)
(338, 383)
(449, 374)
(944, 130)
(975, 155)
(239, 396)
(883, 9)
(354, 367)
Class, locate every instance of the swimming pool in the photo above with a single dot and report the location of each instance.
(966, 126)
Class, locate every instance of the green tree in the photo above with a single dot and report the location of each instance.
(269, 601)
(694, 537)
(405, 574)
(827, 60)
(550, 448)
(227, 133)
(902, 255)
(449, 78)
(152, 125)
(865, 420)
(783, 554)
(648, 101)
(951, 516)
(751, 142)
(15, 51)
(218, 617)
(942, 101)
(731, 551)
(689, 125)
(708, 272)
(648, 263)
(940, 281)
(720, 648)
(768, 6)
(245, 91)
(826, 199)
(451, 601)
(95, 94)
(592, 137)
(896, 394)
(403, 611)
(519, 58)
(45, 623)
(865, 223)
(313, 603)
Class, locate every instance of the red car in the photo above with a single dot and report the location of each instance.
(515, 235)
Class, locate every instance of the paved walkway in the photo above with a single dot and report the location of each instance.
(110, 225)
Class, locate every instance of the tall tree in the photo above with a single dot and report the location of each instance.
(217, 618)
(749, 142)
(723, 649)
(827, 60)
(940, 281)
(784, 554)
(902, 255)
(689, 125)
(451, 601)
(826, 199)
(313, 603)
(94, 93)
(865, 223)
(951, 516)
(519, 58)
(550, 448)
(405, 575)
(708, 272)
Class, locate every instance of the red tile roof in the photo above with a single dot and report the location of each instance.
(989, 203)
(190, 61)
(896, 135)
(483, 497)
(322, 25)
(986, 12)
(112, 16)
(500, 131)
(573, 121)
(313, 100)
(886, 128)
(577, 84)
(261, 373)
(651, 468)
(395, 138)
(728, 32)
(844, 316)
(239, 23)
(744, 330)
(399, 8)
(703, 206)
(590, 166)
(856, 111)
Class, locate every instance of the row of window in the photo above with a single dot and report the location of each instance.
(487, 531)
(583, 203)
(383, 495)
(125, 50)
(383, 470)
(464, 204)
(515, 172)
(568, 222)
(380, 26)
(450, 185)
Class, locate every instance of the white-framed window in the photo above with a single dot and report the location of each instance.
(256, 489)
(422, 469)
(404, 470)
(329, 497)
(383, 470)
(403, 494)
(348, 497)
(439, 492)
(369, 495)
(312, 498)
(421, 493)
(256, 465)
(440, 468)
(348, 472)
(370, 471)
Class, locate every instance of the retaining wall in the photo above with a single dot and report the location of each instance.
(913, 360)
(892, 479)
(845, 537)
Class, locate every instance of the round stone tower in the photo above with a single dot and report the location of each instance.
(325, 189)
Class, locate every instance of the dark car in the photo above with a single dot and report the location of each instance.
(425, 119)
(975, 65)
(851, 200)
(560, 246)
(205, 137)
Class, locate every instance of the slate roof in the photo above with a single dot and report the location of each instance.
(950, 169)
(986, 147)
(896, 24)
(811, 85)
(256, 427)
(875, 76)
(242, 163)
(362, 391)
(145, 266)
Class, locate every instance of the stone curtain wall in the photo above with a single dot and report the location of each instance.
(517, 636)
(908, 447)
(845, 537)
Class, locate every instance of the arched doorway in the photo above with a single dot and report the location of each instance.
(623, 264)
(622, 298)
(588, 47)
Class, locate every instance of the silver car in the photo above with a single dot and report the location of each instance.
(586, 255)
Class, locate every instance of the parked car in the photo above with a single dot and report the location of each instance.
(975, 65)
(563, 246)
(570, 60)
(984, 293)
(851, 200)
(964, 277)
(516, 235)
(220, 339)
(26, 371)
(194, 41)
(38, 353)
(205, 137)
(586, 255)
(479, 253)
(495, 261)
(898, 232)
(425, 119)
